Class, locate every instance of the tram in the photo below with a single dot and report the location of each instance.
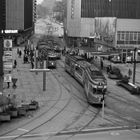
(92, 79)
(52, 60)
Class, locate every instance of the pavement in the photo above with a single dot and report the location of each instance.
(30, 85)
(124, 68)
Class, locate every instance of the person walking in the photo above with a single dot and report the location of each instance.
(8, 84)
(20, 53)
(129, 73)
(32, 64)
(15, 63)
(102, 64)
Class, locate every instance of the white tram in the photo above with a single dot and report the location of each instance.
(89, 76)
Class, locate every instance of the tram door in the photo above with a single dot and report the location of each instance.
(72, 68)
(79, 73)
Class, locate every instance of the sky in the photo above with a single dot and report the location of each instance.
(39, 1)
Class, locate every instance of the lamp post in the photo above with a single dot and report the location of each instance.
(1, 63)
(134, 66)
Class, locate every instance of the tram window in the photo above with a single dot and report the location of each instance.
(78, 70)
(67, 61)
(96, 73)
(86, 80)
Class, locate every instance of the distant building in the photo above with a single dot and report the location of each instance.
(18, 15)
(104, 25)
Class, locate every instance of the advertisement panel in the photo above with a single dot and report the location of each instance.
(105, 29)
(7, 78)
(7, 43)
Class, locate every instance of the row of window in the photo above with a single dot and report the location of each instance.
(110, 8)
(128, 36)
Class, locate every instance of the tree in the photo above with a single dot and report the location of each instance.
(60, 10)
(42, 11)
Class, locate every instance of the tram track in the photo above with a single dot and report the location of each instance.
(115, 114)
(36, 118)
(81, 114)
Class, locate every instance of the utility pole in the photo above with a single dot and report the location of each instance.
(1, 63)
(134, 66)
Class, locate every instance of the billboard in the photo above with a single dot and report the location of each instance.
(105, 29)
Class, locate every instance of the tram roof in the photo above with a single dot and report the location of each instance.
(77, 58)
(84, 64)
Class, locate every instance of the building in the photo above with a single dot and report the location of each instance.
(17, 15)
(104, 25)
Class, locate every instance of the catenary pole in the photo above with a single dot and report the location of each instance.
(134, 66)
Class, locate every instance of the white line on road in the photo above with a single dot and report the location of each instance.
(21, 129)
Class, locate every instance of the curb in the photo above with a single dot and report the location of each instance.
(86, 131)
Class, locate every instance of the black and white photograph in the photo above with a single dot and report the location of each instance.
(69, 69)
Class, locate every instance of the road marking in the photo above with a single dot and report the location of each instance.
(114, 133)
(8, 137)
(29, 135)
(21, 129)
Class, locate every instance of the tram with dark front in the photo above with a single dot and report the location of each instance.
(92, 79)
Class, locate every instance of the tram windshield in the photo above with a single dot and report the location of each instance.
(52, 58)
(98, 91)
(96, 74)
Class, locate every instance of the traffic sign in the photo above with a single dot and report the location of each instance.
(7, 43)
(7, 78)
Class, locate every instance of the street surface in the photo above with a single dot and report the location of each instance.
(64, 113)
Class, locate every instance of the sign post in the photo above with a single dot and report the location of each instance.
(103, 105)
(44, 76)
(44, 70)
(1, 64)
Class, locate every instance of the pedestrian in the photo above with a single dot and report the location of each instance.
(8, 84)
(102, 65)
(32, 64)
(15, 63)
(129, 73)
(20, 53)
(107, 69)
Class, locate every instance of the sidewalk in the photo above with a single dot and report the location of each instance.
(29, 85)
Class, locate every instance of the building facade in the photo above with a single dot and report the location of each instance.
(18, 15)
(107, 24)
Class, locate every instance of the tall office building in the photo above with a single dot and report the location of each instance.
(17, 15)
(110, 23)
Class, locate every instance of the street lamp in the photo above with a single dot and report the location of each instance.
(134, 66)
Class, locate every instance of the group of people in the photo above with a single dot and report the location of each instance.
(28, 56)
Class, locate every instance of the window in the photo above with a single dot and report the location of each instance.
(139, 36)
(122, 36)
(78, 70)
(127, 36)
(67, 61)
(131, 36)
(135, 36)
(118, 36)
